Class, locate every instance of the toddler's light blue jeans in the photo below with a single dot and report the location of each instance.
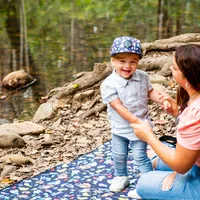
(184, 186)
(120, 154)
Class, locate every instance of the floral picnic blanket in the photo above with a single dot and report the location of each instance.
(86, 178)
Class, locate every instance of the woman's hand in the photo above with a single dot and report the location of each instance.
(143, 130)
(173, 109)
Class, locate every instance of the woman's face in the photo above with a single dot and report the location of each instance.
(177, 74)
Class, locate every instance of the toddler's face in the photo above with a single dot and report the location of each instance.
(125, 64)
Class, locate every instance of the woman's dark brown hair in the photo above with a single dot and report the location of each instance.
(187, 58)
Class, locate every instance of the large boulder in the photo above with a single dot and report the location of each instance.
(17, 80)
(23, 128)
(11, 140)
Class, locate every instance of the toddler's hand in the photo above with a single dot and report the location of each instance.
(143, 130)
(166, 105)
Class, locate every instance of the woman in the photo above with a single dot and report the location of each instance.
(177, 171)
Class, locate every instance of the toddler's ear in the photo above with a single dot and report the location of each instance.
(112, 61)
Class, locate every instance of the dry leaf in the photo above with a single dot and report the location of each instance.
(7, 181)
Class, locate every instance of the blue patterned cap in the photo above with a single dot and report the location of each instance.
(126, 44)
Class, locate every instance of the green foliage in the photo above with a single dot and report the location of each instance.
(63, 31)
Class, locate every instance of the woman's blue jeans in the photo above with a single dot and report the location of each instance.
(120, 154)
(184, 187)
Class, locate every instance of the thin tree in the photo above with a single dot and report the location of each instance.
(21, 37)
(25, 36)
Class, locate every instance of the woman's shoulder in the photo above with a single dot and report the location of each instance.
(190, 117)
(194, 109)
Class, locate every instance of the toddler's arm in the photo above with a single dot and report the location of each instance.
(154, 95)
(123, 111)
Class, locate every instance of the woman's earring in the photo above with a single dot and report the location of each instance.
(187, 85)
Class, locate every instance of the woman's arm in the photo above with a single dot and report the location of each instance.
(179, 159)
(123, 111)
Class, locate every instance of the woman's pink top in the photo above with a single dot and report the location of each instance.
(188, 130)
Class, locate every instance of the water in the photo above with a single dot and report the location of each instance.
(54, 40)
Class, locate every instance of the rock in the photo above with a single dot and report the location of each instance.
(57, 123)
(16, 158)
(48, 139)
(25, 170)
(7, 170)
(158, 87)
(45, 111)
(23, 128)
(17, 80)
(158, 79)
(27, 138)
(162, 89)
(10, 140)
(87, 125)
(94, 132)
